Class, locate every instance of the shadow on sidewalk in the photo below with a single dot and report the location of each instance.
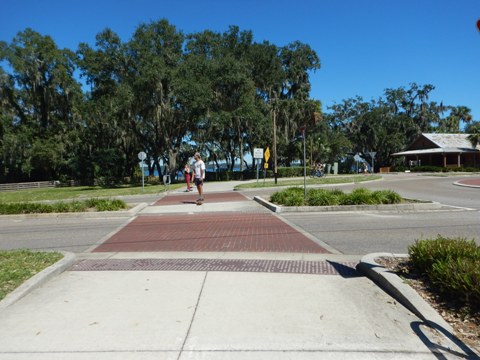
(345, 271)
(439, 351)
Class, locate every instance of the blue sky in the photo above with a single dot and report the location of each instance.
(365, 46)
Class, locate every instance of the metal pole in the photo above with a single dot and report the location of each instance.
(274, 146)
(143, 177)
(304, 167)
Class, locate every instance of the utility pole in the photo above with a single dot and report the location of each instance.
(274, 143)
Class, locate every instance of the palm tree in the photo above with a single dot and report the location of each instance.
(458, 114)
(474, 133)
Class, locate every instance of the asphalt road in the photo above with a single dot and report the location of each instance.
(356, 233)
(353, 233)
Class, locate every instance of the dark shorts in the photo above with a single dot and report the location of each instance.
(198, 182)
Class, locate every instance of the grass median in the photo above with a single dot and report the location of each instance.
(79, 192)
(17, 266)
(328, 180)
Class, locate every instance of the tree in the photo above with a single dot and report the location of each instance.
(44, 102)
(109, 152)
(156, 50)
(369, 126)
(473, 129)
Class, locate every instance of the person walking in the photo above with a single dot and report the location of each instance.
(187, 172)
(199, 174)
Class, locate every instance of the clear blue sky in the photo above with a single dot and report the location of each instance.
(365, 46)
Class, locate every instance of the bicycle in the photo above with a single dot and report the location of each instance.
(316, 174)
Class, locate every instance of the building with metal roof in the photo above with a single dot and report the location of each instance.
(444, 150)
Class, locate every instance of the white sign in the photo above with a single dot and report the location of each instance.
(258, 153)
(142, 156)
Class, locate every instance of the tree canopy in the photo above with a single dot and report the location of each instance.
(84, 114)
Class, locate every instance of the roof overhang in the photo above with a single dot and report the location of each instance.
(436, 151)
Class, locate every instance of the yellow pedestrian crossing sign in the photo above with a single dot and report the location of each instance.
(267, 154)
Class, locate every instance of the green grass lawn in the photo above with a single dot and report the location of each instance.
(333, 179)
(80, 192)
(18, 266)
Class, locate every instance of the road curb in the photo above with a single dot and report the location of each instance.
(90, 214)
(398, 289)
(268, 204)
(418, 206)
(39, 279)
(459, 183)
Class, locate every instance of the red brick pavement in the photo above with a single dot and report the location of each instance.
(474, 181)
(215, 232)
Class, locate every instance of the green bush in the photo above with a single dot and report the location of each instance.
(322, 197)
(359, 196)
(427, 168)
(424, 253)
(24, 208)
(106, 204)
(386, 197)
(152, 180)
(459, 279)
(62, 207)
(293, 196)
(285, 172)
(453, 267)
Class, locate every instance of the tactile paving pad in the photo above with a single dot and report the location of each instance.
(235, 265)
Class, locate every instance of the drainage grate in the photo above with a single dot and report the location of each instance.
(269, 266)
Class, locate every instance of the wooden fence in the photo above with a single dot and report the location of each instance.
(28, 185)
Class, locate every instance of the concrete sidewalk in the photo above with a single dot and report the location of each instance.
(215, 305)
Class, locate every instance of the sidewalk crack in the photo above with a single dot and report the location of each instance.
(193, 316)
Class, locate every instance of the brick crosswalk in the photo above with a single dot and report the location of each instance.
(212, 232)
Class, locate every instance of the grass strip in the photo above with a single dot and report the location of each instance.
(317, 181)
(62, 207)
(17, 266)
(80, 192)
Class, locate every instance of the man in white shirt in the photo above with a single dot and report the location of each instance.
(199, 174)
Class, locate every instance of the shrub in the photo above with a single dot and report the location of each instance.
(459, 279)
(386, 197)
(292, 171)
(424, 253)
(25, 208)
(293, 196)
(427, 168)
(359, 196)
(62, 207)
(452, 266)
(106, 204)
(321, 197)
(152, 180)
(111, 205)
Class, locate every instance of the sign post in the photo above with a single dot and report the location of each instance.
(357, 159)
(258, 155)
(372, 155)
(142, 156)
(303, 129)
(267, 156)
